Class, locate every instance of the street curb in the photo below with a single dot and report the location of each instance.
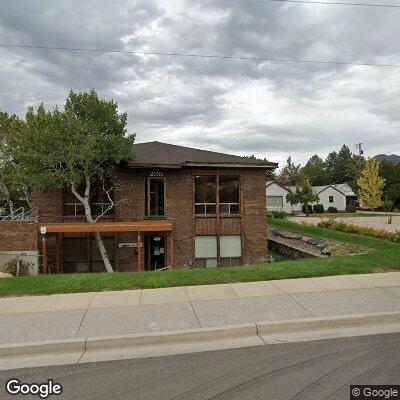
(200, 335)
(317, 323)
(35, 348)
(174, 337)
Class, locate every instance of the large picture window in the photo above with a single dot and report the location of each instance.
(205, 194)
(229, 195)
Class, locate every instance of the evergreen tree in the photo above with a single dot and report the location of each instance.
(291, 174)
(315, 171)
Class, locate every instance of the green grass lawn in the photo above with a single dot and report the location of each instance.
(383, 256)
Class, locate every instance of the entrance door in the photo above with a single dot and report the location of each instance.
(155, 252)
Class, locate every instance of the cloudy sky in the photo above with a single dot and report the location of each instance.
(269, 109)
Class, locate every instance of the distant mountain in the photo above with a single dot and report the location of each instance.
(385, 157)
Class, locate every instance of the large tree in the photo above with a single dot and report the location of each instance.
(291, 174)
(77, 147)
(12, 187)
(315, 171)
(390, 171)
(371, 185)
(338, 165)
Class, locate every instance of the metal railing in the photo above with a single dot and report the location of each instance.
(20, 214)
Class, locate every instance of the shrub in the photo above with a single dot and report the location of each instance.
(319, 208)
(388, 205)
(277, 214)
(351, 208)
(326, 223)
(304, 209)
(335, 225)
(14, 269)
(332, 210)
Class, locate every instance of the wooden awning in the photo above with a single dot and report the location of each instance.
(85, 227)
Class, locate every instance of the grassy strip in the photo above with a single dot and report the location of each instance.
(384, 256)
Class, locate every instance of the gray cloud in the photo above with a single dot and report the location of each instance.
(264, 108)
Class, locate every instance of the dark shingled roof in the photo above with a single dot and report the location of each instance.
(166, 155)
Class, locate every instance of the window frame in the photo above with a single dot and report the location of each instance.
(217, 203)
(147, 195)
(275, 206)
(331, 199)
(229, 204)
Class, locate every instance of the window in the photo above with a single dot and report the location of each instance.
(155, 195)
(275, 201)
(205, 194)
(206, 248)
(81, 254)
(330, 199)
(99, 201)
(230, 246)
(229, 195)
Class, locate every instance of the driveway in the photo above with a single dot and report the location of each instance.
(367, 222)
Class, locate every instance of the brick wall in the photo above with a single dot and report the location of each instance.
(180, 208)
(254, 221)
(18, 236)
(179, 205)
(49, 204)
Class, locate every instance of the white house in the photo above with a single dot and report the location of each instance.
(338, 196)
(276, 198)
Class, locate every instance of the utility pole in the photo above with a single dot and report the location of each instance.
(360, 150)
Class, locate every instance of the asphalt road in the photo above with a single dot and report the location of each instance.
(311, 370)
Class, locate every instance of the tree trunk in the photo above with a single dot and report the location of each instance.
(103, 252)
(7, 195)
(89, 218)
(27, 195)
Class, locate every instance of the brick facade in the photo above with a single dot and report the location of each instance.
(179, 205)
(18, 236)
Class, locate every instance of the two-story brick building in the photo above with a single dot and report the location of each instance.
(177, 207)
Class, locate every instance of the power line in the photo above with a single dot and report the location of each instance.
(332, 3)
(194, 55)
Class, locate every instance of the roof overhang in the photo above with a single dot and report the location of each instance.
(107, 227)
(138, 165)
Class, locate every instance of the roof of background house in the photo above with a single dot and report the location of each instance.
(158, 154)
(277, 184)
(343, 188)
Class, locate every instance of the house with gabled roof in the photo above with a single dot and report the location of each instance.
(338, 195)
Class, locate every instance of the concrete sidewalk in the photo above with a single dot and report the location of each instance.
(43, 318)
